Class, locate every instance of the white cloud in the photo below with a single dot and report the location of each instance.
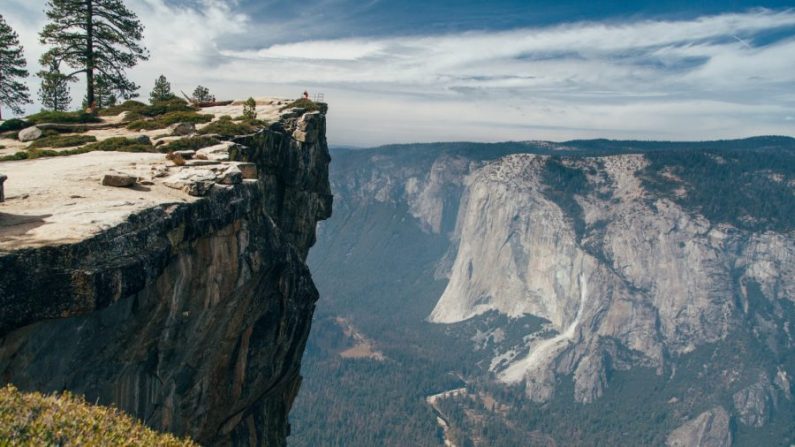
(690, 79)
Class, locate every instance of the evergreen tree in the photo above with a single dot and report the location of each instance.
(54, 91)
(250, 109)
(97, 37)
(104, 95)
(202, 94)
(161, 90)
(13, 93)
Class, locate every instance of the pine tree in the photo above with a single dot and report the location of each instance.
(97, 37)
(161, 90)
(54, 91)
(13, 93)
(202, 94)
(250, 109)
(104, 95)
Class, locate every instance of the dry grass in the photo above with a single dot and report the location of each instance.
(35, 419)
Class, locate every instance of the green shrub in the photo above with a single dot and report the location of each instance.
(161, 122)
(189, 144)
(63, 118)
(118, 144)
(62, 141)
(14, 124)
(30, 419)
(126, 106)
(303, 103)
(14, 157)
(227, 128)
(141, 110)
(250, 109)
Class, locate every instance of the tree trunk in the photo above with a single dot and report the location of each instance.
(90, 56)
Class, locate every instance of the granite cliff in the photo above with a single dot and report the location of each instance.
(184, 301)
(584, 293)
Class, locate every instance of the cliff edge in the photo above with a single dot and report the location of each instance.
(184, 300)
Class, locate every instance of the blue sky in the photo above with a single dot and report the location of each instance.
(410, 71)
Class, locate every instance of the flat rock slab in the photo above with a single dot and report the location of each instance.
(68, 203)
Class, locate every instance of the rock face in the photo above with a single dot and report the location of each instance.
(190, 316)
(662, 288)
(624, 277)
(710, 429)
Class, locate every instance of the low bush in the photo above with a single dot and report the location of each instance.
(142, 110)
(188, 144)
(29, 419)
(226, 127)
(14, 124)
(119, 144)
(303, 103)
(63, 118)
(15, 156)
(126, 106)
(116, 144)
(62, 141)
(163, 121)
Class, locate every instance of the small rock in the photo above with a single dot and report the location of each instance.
(198, 189)
(194, 182)
(219, 152)
(181, 129)
(119, 180)
(142, 139)
(232, 176)
(186, 155)
(29, 134)
(249, 170)
(201, 156)
(3, 178)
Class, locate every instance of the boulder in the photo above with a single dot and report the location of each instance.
(219, 152)
(195, 182)
(232, 176)
(2, 180)
(29, 134)
(249, 170)
(186, 154)
(181, 129)
(119, 180)
(142, 139)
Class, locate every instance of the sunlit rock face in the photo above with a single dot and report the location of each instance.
(624, 276)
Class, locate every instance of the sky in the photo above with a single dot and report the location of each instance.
(405, 71)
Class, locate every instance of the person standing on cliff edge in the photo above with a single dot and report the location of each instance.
(306, 94)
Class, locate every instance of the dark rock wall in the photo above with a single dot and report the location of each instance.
(192, 317)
